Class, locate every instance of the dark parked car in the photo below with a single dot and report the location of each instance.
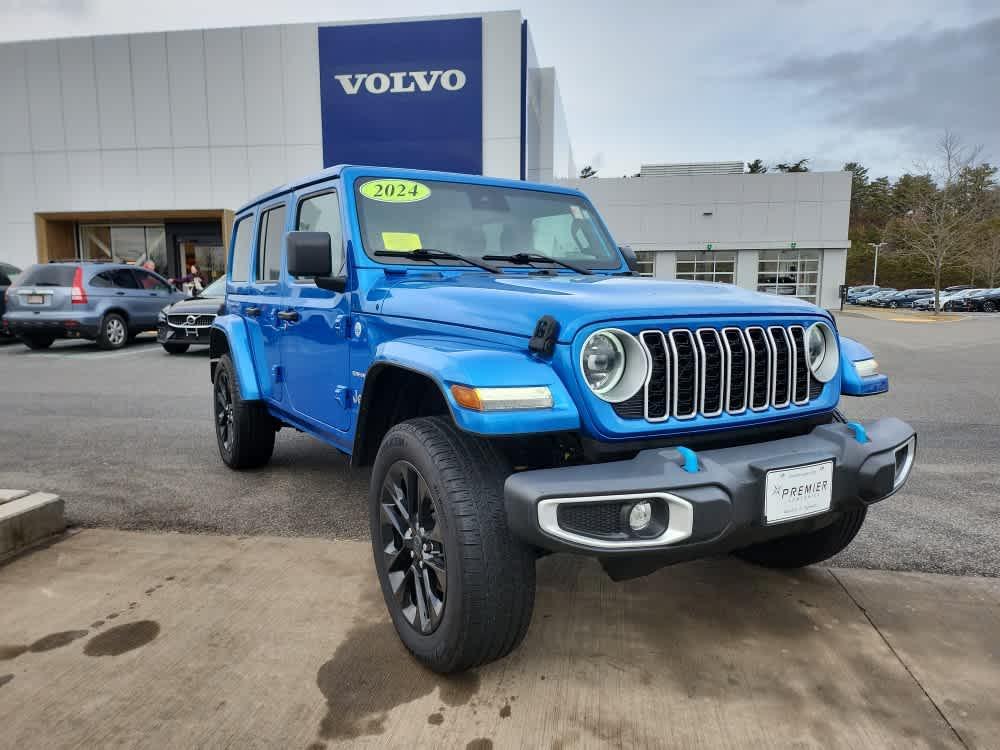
(856, 292)
(905, 298)
(109, 303)
(872, 300)
(8, 275)
(988, 301)
(189, 321)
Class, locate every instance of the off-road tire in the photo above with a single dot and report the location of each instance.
(490, 574)
(114, 332)
(252, 428)
(176, 348)
(35, 341)
(810, 548)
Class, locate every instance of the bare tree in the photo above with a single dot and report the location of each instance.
(939, 228)
(987, 254)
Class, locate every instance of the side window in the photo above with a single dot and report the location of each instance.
(102, 280)
(272, 230)
(321, 213)
(148, 281)
(123, 279)
(239, 268)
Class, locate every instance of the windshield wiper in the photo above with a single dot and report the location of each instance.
(530, 258)
(427, 253)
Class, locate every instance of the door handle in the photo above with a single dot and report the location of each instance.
(289, 315)
(120, 294)
(253, 312)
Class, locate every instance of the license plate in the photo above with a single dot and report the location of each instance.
(36, 299)
(798, 492)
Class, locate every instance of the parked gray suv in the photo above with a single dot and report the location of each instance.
(109, 303)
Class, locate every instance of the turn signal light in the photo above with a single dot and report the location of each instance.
(502, 399)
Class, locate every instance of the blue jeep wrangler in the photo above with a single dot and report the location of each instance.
(517, 389)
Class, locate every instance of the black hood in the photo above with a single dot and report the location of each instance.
(196, 306)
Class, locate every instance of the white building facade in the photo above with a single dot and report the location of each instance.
(139, 147)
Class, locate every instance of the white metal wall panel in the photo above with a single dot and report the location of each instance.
(85, 180)
(188, 106)
(303, 160)
(151, 90)
(17, 186)
(807, 223)
(52, 185)
(265, 99)
(114, 92)
(502, 94)
(224, 79)
(79, 94)
(303, 122)
(268, 168)
(192, 178)
(156, 178)
(14, 122)
(230, 176)
(44, 96)
(120, 175)
(19, 243)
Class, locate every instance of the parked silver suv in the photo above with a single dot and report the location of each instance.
(109, 303)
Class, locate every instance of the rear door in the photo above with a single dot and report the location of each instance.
(267, 292)
(314, 347)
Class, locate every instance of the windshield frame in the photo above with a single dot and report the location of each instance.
(615, 263)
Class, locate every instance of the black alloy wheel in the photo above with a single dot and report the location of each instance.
(413, 547)
(224, 422)
(989, 306)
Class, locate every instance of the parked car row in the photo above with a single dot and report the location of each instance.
(962, 298)
(109, 303)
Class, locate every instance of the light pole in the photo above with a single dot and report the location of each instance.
(877, 246)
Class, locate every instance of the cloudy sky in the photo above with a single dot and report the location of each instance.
(688, 80)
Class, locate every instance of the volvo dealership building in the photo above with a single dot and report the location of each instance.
(138, 147)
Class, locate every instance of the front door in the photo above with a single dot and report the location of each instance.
(314, 348)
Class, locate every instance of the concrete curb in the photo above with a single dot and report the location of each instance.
(26, 518)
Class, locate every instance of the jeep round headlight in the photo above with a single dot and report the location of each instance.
(613, 364)
(822, 351)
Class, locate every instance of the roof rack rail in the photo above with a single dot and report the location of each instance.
(82, 260)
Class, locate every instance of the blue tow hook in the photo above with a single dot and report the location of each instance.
(690, 459)
(860, 434)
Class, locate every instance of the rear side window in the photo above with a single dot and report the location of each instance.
(123, 278)
(239, 270)
(321, 213)
(272, 229)
(43, 275)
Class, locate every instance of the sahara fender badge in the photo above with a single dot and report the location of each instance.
(395, 191)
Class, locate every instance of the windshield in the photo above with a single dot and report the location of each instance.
(476, 220)
(216, 289)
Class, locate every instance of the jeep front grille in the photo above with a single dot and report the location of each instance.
(708, 372)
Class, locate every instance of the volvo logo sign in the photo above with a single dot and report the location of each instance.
(406, 82)
(192, 319)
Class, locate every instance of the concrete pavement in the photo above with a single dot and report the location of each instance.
(113, 638)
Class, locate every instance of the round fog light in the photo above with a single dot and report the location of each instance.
(640, 515)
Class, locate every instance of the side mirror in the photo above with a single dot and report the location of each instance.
(631, 259)
(308, 254)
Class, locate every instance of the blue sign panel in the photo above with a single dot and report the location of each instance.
(403, 94)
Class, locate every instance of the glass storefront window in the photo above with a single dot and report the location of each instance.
(707, 266)
(137, 245)
(794, 273)
(645, 258)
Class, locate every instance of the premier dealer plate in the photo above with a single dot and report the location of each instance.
(797, 492)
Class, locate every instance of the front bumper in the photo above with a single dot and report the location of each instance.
(716, 509)
(167, 334)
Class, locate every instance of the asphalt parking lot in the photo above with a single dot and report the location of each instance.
(126, 439)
